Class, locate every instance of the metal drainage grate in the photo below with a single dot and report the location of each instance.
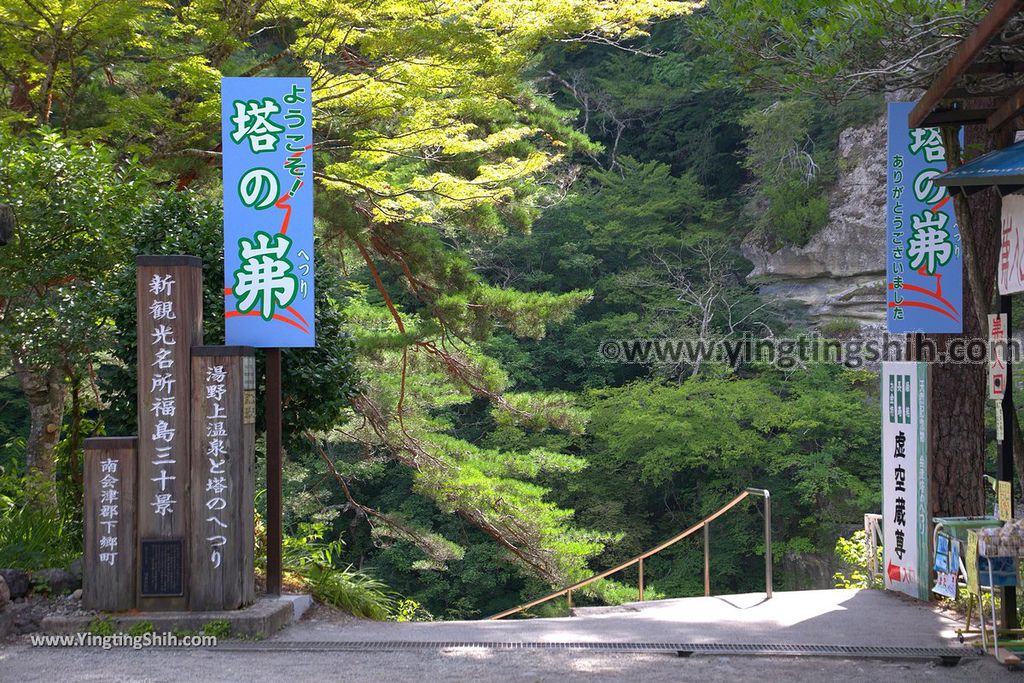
(946, 654)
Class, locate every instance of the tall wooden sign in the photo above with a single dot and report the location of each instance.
(170, 314)
(108, 561)
(223, 477)
(169, 514)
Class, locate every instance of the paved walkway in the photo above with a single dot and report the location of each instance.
(825, 617)
(812, 617)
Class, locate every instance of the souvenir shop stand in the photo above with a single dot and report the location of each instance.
(980, 555)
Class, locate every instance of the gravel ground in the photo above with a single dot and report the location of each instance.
(22, 663)
(24, 614)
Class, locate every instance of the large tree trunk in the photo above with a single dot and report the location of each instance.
(959, 398)
(959, 392)
(45, 392)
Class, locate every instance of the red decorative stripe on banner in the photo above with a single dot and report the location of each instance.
(281, 318)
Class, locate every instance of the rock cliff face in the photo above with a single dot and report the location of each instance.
(840, 273)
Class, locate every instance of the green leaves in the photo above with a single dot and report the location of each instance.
(73, 204)
(440, 115)
(318, 383)
(808, 436)
(834, 49)
(320, 565)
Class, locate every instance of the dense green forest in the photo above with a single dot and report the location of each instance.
(501, 191)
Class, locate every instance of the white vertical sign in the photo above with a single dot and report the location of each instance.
(1011, 245)
(905, 517)
(997, 356)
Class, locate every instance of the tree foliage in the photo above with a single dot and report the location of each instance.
(71, 203)
(501, 187)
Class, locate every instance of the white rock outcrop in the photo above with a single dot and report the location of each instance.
(840, 273)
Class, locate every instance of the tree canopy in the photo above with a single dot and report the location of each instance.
(501, 188)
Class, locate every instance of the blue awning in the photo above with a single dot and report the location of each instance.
(1002, 168)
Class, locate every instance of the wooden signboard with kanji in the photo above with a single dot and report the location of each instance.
(169, 514)
(108, 560)
(223, 478)
(169, 299)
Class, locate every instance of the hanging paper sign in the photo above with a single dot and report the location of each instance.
(1003, 496)
(1011, 245)
(947, 564)
(1000, 434)
(267, 139)
(997, 356)
(924, 280)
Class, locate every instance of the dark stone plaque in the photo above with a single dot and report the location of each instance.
(161, 567)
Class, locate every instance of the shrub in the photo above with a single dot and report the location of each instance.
(318, 563)
(140, 629)
(840, 327)
(410, 610)
(854, 553)
(101, 626)
(218, 628)
(30, 537)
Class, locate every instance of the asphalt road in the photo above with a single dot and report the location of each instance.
(23, 664)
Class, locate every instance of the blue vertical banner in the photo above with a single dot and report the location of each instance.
(924, 273)
(267, 141)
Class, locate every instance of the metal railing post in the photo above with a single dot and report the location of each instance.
(768, 543)
(707, 560)
(767, 538)
(641, 582)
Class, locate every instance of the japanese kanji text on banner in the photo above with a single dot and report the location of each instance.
(924, 274)
(1011, 246)
(267, 139)
(997, 368)
(905, 477)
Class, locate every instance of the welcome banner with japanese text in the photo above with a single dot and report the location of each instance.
(267, 138)
(924, 274)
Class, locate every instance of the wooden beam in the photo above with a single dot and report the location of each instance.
(958, 117)
(1006, 111)
(965, 55)
(963, 94)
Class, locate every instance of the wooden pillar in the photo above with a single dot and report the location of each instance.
(275, 517)
(108, 558)
(223, 477)
(170, 314)
(1005, 465)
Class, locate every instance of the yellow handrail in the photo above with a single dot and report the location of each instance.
(657, 549)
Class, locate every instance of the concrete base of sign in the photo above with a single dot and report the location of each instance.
(263, 618)
(300, 603)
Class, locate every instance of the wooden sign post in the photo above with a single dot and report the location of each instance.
(108, 561)
(169, 515)
(223, 477)
(169, 299)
